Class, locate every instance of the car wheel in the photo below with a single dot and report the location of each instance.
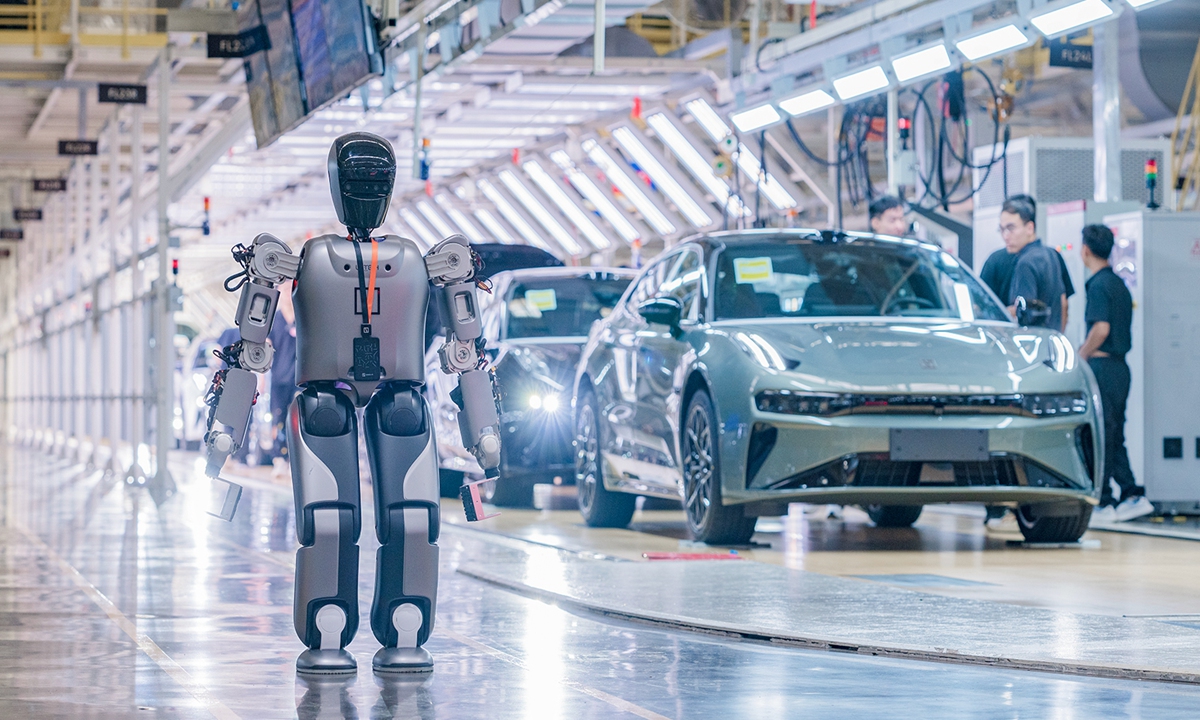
(894, 516)
(1040, 527)
(708, 520)
(449, 482)
(600, 507)
(514, 492)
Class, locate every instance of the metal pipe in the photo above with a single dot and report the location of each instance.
(134, 367)
(164, 367)
(893, 141)
(1106, 111)
(598, 39)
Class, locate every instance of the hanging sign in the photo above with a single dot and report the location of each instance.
(114, 93)
(240, 45)
(27, 214)
(1071, 51)
(12, 234)
(50, 184)
(78, 147)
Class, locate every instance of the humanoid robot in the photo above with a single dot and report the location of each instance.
(360, 306)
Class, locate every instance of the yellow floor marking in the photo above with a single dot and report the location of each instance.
(618, 703)
(144, 643)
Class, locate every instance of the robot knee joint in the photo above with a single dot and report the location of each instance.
(400, 412)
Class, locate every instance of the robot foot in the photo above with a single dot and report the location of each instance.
(326, 662)
(402, 660)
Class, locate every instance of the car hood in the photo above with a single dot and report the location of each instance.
(550, 364)
(898, 356)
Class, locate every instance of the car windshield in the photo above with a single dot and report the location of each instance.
(826, 279)
(561, 307)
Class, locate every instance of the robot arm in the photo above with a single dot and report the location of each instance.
(266, 263)
(451, 268)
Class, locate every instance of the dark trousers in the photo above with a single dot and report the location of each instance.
(1112, 375)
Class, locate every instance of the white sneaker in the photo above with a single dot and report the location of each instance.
(1134, 508)
(1006, 523)
(833, 512)
(1106, 515)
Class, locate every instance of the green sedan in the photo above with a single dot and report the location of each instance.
(743, 371)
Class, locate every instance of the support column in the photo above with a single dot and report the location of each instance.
(111, 413)
(135, 339)
(893, 141)
(598, 39)
(1106, 111)
(163, 486)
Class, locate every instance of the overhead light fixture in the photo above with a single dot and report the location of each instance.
(511, 214)
(539, 212)
(920, 63)
(1066, 17)
(755, 117)
(1139, 4)
(805, 103)
(595, 196)
(662, 178)
(691, 158)
(434, 219)
(770, 187)
(568, 207)
(628, 188)
(457, 216)
(494, 226)
(861, 82)
(992, 42)
(708, 119)
(414, 222)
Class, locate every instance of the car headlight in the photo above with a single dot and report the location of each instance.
(788, 402)
(548, 401)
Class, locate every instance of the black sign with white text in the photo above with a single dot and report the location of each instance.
(12, 234)
(78, 147)
(27, 214)
(50, 184)
(1069, 52)
(112, 93)
(238, 46)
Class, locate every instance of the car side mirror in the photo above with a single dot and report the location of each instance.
(662, 311)
(1031, 313)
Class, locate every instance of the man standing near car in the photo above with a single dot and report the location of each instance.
(1037, 272)
(997, 271)
(1109, 316)
(888, 216)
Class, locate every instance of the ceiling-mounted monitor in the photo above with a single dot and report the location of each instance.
(318, 51)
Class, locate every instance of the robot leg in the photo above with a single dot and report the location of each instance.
(322, 433)
(403, 460)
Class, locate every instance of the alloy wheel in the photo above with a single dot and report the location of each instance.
(698, 471)
(586, 454)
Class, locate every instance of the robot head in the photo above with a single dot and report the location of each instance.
(362, 170)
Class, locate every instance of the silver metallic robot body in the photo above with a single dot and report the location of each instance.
(360, 308)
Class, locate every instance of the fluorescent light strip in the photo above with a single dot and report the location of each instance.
(628, 188)
(494, 226)
(991, 42)
(567, 205)
(511, 214)
(540, 213)
(596, 197)
(464, 224)
(917, 64)
(434, 219)
(708, 119)
(755, 117)
(1070, 17)
(422, 229)
(775, 193)
(702, 170)
(1138, 4)
(863, 82)
(662, 178)
(806, 102)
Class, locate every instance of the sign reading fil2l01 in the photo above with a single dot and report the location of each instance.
(78, 147)
(126, 94)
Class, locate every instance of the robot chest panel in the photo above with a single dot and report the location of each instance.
(329, 308)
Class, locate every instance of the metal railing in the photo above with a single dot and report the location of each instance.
(120, 23)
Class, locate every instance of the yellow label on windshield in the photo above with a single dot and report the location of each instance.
(542, 299)
(750, 270)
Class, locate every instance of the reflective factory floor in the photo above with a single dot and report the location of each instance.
(113, 607)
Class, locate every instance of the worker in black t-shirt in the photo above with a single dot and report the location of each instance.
(997, 271)
(1109, 317)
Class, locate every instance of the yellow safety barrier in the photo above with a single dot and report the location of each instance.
(99, 23)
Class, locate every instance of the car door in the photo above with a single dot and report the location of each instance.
(660, 363)
(628, 449)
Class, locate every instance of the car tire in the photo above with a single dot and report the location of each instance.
(512, 492)
(708, 520)
(599, 506)
(894, 516)
(1053, 528)
(449, 482)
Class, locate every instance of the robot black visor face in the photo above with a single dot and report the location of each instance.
(362, 171)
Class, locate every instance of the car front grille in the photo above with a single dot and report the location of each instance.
(878, 470)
